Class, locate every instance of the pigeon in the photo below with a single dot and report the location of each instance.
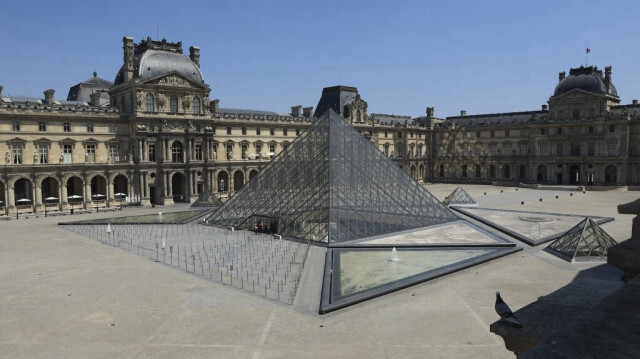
(505, 312)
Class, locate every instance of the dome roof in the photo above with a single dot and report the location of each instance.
(152, 63)
(584, 78)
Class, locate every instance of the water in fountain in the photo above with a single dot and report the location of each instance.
(394, 255)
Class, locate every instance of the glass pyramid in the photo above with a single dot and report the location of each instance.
(459, 197)
(332, 185)
(207, 199)
(587, 240)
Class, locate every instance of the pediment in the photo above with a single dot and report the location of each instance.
(576, 95)
(17, 140)
(174, 79)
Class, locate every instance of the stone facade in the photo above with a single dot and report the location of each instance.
(155, 134)
(584, 136)
(158, 136)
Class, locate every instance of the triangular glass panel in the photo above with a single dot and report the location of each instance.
(353, 275)
(586, 241)
(333, 185)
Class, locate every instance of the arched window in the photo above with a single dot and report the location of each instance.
(149, 102)
(173, 104)
(196, 105)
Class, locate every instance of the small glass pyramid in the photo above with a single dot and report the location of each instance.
(586, 241)
(460, 197)
(207, 199)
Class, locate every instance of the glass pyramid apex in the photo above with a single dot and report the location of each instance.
(332, 185)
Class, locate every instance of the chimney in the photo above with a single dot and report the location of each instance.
(296, 111)
(95, 98)
(306, 111)
(48, 96)
(127, 46)
(607, 78)
(430, 112)
(561, 75)
(463, 113)
(214, 106)
(194, 55)
(544, 107)
(634, 102)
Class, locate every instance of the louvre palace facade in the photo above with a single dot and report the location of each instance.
(154, 133)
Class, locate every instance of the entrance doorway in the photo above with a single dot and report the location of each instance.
(177, 187)
(574, 174)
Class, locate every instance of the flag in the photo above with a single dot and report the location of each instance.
(588, 50)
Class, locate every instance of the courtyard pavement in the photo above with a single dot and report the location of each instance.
(66, 296)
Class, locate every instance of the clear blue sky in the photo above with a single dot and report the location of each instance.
(480, 56)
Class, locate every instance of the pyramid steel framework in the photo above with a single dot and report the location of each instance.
(207, 199)
(459, 196)
(584, 241)
(332, 185)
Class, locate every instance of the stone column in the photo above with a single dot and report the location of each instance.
(11, 197)
(144, 152)
(34, 193)
(143, 176)
(37, 196)
(213, 185)
(63, 189)
(169, 186)
(109, 196)
(6, 197)
(62, 192)
(87, 192)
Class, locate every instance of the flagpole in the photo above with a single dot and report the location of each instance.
(586, 56)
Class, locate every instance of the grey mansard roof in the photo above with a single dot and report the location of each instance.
(584, 78)
(82, 91)
(243, 111)
(507, 118)
(335, 98)
(11, 99)
(152, 63)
